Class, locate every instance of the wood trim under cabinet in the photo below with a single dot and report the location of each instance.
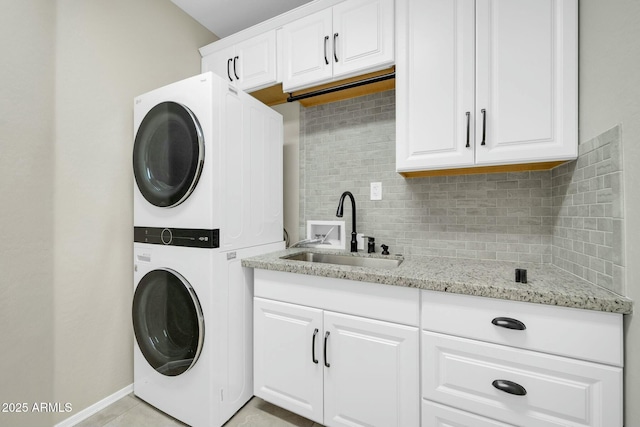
(522, 167)
(274, 95)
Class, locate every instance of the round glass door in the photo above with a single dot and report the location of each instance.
(167, 322)
(168, 154)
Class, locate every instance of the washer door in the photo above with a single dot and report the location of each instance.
(168, 154)
(167, 322)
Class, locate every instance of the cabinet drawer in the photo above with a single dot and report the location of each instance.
(435, 415)
(583, 334)
(557, 391)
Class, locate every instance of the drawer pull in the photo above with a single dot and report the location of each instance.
(509, 323)
(509, 387)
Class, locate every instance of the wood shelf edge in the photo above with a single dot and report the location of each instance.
(274, 95)
(521, 167)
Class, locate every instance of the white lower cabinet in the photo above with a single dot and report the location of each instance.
(497, 359)
(334, 368)
(519, 386)
(349, 353)
(369, 370)
(287, 371)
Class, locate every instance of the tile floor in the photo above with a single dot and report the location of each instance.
(131, 411)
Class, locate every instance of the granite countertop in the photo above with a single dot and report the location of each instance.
(546, 284)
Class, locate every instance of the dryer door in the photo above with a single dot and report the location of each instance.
(168, 154)
(168, 322)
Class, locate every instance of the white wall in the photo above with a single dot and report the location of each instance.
(610, 95)
(26, 174)
(107, 52)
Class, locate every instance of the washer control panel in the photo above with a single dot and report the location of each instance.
(190, 237)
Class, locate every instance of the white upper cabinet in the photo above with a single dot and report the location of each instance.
(527, 80)
(485, 82)
(435, 84)
(351, 38)
(307, 47)
(250, 64)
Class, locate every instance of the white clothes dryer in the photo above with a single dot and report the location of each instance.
(207, 158)
(192, 320)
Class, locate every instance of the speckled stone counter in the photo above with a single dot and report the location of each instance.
(546, 284)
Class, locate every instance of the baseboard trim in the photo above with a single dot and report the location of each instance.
(95, 408)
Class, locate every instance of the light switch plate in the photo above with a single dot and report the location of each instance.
(376, 191)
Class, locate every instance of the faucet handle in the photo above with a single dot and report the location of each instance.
(371, 244)
(385, 249)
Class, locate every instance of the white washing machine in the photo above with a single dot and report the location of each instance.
(192, 319)
(207, 158)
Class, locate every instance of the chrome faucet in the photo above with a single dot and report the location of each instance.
(340, 212)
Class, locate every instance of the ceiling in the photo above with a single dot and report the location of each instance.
(226, 17)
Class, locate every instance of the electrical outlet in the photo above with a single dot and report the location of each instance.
(376, 191)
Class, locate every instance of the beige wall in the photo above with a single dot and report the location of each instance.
(610, 95)
(26, 174)
(69, 73)
(108, 51)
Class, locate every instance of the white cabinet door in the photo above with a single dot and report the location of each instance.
(526, 89)
(522, 106)
(363, 36)
(435, 84)
(307, 51)
(220, 63)
(249, 65)
(371, 373)
(257, 64)
(336, 369)
(287, 372)
(353, 37)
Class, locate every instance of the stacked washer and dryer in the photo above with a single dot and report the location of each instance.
(207, 162)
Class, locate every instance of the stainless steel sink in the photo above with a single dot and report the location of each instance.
(356, 261)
